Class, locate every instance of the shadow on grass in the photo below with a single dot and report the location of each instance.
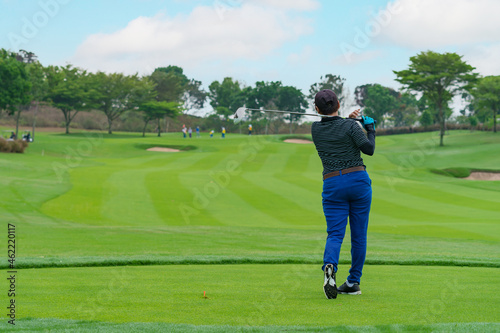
(57, 262)
(145, 146)
(294, 136)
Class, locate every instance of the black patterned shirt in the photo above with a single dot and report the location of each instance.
(339, 142)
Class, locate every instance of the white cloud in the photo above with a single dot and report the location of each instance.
(203, 37)
(353, 58)
(301, 58)
(427, 24)
(300, 5)
(484, 57)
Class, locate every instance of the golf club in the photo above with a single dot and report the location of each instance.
(240, 113)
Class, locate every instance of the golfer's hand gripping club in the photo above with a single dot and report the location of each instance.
(368, 123)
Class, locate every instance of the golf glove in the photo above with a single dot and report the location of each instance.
(369, 123)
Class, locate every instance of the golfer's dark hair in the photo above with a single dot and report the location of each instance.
(330, 108)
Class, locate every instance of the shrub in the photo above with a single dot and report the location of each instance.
(16, 146)
(4, 146)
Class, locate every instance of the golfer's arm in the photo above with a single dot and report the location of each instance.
(368, 148)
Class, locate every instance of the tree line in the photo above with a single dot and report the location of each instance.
(429, 85)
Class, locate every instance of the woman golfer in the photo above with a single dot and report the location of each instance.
(347, 192)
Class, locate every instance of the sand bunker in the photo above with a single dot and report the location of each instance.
(299, 141)
(164, 150)
(484, 176)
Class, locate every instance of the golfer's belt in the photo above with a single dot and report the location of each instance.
(343, 172)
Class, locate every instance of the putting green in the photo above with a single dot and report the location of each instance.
(91, 199)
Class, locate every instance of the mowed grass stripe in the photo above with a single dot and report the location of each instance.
(314, 167)
(306, 199)
(83, 202)
(446, 193)
(298, 163)
(488, 231)
(414, 213)
(210, 195)
(127, 203)
(255, 150)
(434, 211)
(25, 179)
(277, 206)
(92, 187)
(311, 185)
(240, 212)
(278, 155)
(175, 202)
(437, 230)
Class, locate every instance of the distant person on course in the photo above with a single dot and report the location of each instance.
(184, 130)
(197, 131)
(190, 131)
(223, 132)
(347, 192)
(250, 129)
(212, 133)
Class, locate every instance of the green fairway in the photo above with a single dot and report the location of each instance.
(87, 199)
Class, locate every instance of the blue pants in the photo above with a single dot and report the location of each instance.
(344, 196)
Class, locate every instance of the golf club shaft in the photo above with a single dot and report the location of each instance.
(290, 112)
(298, 113)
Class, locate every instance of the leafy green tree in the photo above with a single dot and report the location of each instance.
(271, 96)
(226, 96)
(406, 111)
(439, 77)
(486, 96)
(291, 99)
(15, 85)
(155, 110)
(69, 90)
(426, 118)
(422, 103)
(472, 122)
(169, 85)
(377, 101)
(265, 95)
(172, 85)
(145, 100)
(335, 83)
(113, 94)
(194, 96)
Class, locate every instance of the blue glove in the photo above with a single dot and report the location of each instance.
(369, 123)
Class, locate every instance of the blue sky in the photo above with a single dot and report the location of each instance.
(294, 41)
